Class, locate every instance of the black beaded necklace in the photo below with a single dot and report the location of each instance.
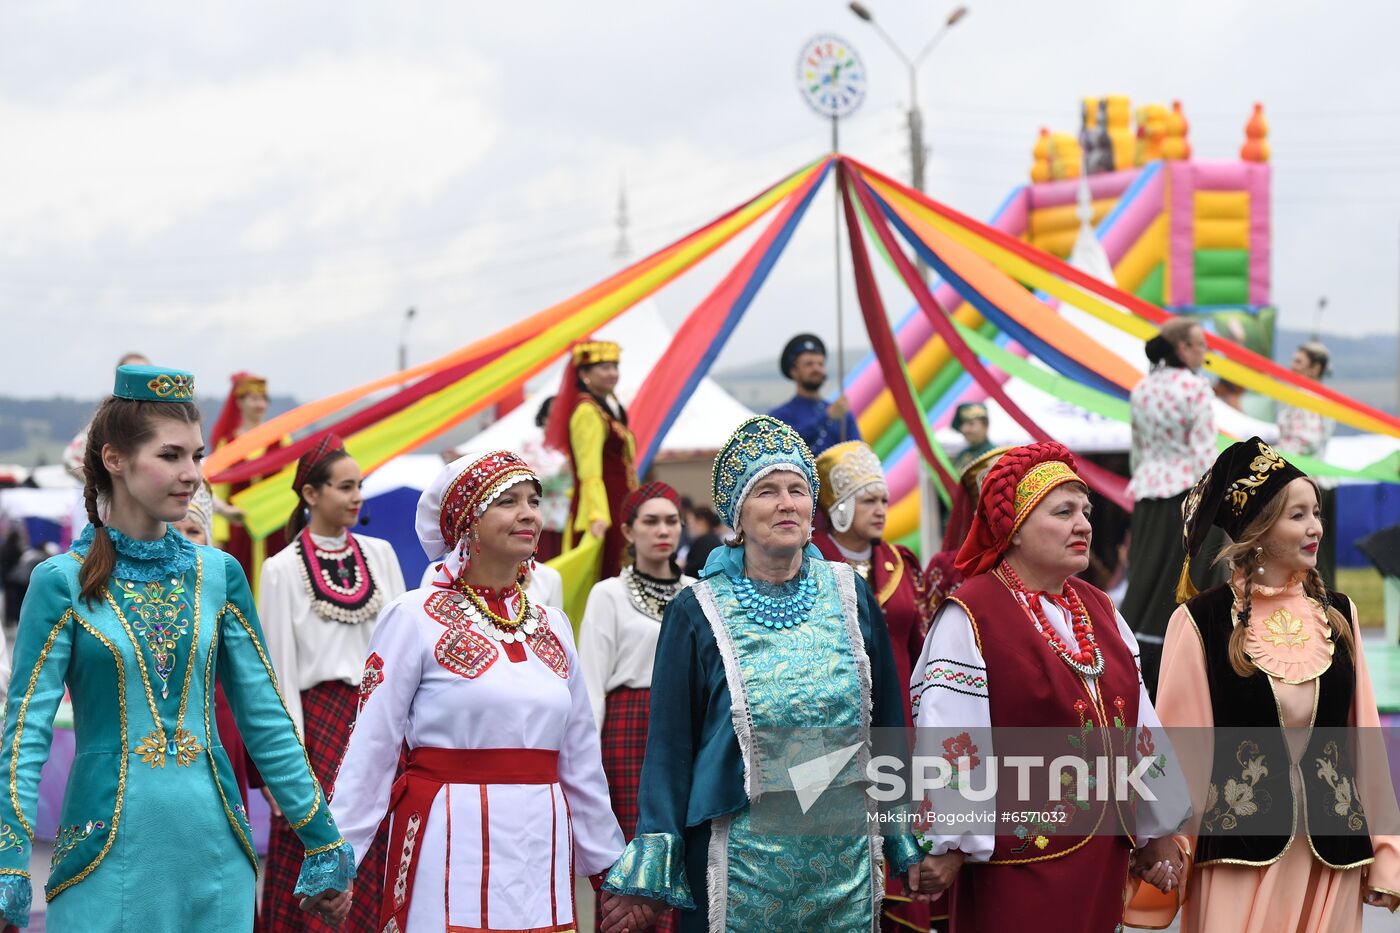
(649, 595)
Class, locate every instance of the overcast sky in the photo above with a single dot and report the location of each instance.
(230, 185)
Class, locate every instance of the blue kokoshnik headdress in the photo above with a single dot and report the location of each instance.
(759, 446)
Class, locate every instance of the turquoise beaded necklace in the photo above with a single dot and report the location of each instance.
(778, 605)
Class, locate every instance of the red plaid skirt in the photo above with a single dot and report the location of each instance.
(328, 709)
(624, 746)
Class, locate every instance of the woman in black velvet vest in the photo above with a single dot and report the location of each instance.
(1289, 820)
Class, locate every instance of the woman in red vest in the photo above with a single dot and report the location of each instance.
(590, 424)
(1025, 644)
(244, 409)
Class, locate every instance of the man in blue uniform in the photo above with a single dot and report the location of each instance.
(821, 423)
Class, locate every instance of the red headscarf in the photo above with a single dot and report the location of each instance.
(1009, 493)
(556, 429)
(241, 384)
(645, 493)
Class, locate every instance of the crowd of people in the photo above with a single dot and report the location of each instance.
(452, 756)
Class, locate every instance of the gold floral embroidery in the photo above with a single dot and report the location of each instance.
(159, 734)
(68, 838)
(174, 386)
(1344, 797)
(1285, 629)
(1260, 468)
(153, 749)
(1242, 797)
(158, 620)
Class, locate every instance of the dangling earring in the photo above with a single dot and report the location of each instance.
(1259, 556)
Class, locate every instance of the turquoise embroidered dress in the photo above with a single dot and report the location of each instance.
(152, 834)
(728, 678)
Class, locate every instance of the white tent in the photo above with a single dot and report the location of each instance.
(703, 425)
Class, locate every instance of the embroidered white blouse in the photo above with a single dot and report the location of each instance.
(306, 648)
(495, 857)
(616, 643)
(949, 692)
(1173, 432)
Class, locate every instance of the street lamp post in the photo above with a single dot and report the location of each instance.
(408, 316)
(929, 519)
(916, 119)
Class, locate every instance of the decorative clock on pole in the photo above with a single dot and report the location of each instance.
(831, 78)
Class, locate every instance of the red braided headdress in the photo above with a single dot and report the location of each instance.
(1000, 509)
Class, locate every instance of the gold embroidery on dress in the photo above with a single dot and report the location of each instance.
(1344, 796)
(56, 890)
(1284, 629)
(1242, 797)
(213, 766)
(155, 747)
(19, 719)
(306, 756)
(159, 623)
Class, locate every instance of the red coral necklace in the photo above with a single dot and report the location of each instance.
(1087, 659)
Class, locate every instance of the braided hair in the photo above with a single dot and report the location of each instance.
(124, 425)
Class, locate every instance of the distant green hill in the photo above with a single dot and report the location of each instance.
(34, 431)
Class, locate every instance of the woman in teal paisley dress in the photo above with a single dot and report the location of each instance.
(772, 639)
(136, 623)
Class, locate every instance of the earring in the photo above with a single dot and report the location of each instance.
(1259, 556)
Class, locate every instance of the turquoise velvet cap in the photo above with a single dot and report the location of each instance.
(154, 384)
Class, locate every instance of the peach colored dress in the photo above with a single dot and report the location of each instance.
(1298, 893)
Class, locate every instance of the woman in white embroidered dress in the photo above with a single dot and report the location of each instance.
(1173, 444)
(503, 799)
(318, 601)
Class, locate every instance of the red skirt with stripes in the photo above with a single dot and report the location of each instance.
(328, 709)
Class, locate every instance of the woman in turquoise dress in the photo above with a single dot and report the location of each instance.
(137, 623)
(774, 658)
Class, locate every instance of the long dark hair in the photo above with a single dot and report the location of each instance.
(320, 475)
(125, 424)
